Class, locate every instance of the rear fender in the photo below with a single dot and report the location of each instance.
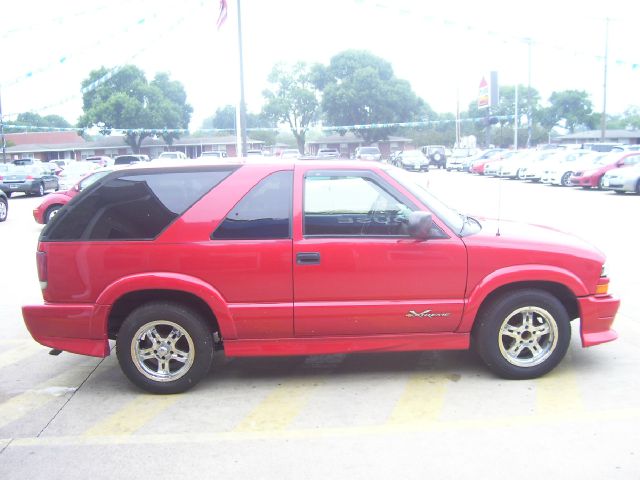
(169, 281)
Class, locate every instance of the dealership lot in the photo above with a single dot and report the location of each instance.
(361, 416)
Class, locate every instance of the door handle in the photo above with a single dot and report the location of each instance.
(308, 258)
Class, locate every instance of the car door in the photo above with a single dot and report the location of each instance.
(356, 269)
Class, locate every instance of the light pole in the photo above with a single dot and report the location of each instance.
(603, 120)
(4, 144)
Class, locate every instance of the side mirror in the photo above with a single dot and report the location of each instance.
(419, 224)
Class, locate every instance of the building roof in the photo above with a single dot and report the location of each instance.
(351, 138)
(596, 134)
(43, 138)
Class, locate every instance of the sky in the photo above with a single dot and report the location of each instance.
(442, 48)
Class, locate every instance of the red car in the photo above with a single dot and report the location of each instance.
(592, 177)
(303, 258)
(477, 166)
(55, 201)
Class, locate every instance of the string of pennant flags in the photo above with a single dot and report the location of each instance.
(161, 131)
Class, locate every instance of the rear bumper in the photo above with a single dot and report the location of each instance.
(76, 328)
(597, 315)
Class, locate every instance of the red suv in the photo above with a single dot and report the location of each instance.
(303, 258)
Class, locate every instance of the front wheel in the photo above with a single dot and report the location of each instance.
(164, 347)
(4, 209)
(522, 334)
(565, 181)
(51, 212)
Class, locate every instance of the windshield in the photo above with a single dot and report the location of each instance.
(457, 222)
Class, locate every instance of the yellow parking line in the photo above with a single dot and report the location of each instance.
(25, 403)
(421, 401)
(19, 352)
(557, 393)
(280, 407)
(133, 416)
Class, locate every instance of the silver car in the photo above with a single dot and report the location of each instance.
(622, 180)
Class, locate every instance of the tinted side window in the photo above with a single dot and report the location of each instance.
(263, 213)
(347, 205)
(135, 206)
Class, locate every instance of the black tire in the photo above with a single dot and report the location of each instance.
(142, 358)
(4, 209)
(565, 181)
(601, 183)
(40, 191)
(9, 194)
(51, 212)
(513, 353)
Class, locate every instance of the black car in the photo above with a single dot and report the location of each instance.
(4, 206)
(30, 179)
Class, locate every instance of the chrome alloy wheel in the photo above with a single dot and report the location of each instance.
(162, 351)
(528, 336)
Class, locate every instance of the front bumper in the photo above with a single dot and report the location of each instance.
(414, 167)
(584, 181)
(76, 328)
(596, 317)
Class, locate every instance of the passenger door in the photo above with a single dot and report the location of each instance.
(356, 269)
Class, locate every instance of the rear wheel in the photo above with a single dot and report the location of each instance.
(40, 191)
(565, 181)
(51, 212)
(523, 334)
(164, 347)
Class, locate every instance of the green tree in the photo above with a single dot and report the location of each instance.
(128, 101)
(569, 109)
(31, 119)
(225, 119)
(359, 88)
(292, 99)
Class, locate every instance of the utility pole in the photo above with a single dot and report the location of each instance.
(515, 121)
(603, 120)
(4, 144)
(241, 111)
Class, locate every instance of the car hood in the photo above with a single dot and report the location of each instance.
(543, 248)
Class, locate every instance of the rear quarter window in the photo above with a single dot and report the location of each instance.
(132, 206)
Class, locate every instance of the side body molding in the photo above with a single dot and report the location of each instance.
(515, 274)
(169, 281)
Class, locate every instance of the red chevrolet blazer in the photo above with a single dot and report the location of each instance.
(303, 258)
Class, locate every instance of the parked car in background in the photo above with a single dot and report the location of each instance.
(455, 161)
(130, 159)
(100, 160)
(291, 153)
(529, 167)
(368, 153)
(623, 180)
(33, 179)
(511, 167)
(49, 207)
(413, 160)
(212, 155)
(172, 156)
(592, 175)
(4, 206)
(436, 154)
(494, 164)
(25, 161)
(477, 164)
(328, 153)
(74, 172)
(557, 169)
(254, 153)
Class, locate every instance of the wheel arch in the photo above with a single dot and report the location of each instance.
(560, 283)
(558, 290)
(124, 295)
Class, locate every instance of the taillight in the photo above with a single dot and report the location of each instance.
(43, 274)
(29, 177)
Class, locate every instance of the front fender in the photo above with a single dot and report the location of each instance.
(517, 274)
(168, 281)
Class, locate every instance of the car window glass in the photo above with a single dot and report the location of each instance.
(132, 206)
(263, 213)
(345, 205)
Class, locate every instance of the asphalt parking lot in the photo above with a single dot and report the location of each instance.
(395, 415)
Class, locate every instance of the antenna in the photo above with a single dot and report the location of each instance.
(499, 206)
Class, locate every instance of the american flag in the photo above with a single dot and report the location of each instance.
(222, 16)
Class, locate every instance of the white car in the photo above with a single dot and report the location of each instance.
(212, 155)
(74, 172)
(172, 156)
(559, 168)
(622, 180)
